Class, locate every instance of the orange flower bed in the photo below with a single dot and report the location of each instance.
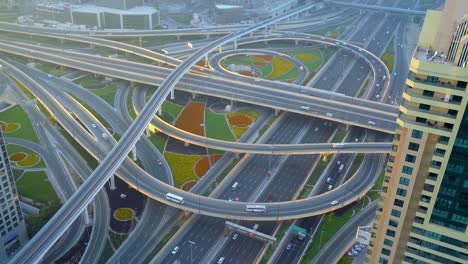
(267, 58)
(203, 165)
(18, 156)
(246, 73)
(192, 118)
(239, 120)
(200, 63)
(186, 186)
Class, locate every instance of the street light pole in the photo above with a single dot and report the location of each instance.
(191, 252)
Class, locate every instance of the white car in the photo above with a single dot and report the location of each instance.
(175, 250)
(305, 107)
(93, 125)
(220, 260)
(235, 236)
(289, 246)
(329, 114)
(371, 123)
(334, 202)
(330, 187)
(328, 180)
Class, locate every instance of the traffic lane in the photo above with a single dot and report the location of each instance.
(247, 185)
(288, 256)
(282, 188)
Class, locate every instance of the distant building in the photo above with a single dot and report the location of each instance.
(124, 14)
(12, 227)
(422, 214)
(261, 8)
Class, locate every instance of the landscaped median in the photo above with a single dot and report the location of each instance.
(16, 123)
(240, 121)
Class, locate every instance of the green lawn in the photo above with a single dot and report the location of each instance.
(160, 40)
(388, 57)
(216, 126)
(159, 141)
(107, 93)
(339, 136)
(53, 69)
(90, 82)
(182, 167)
(36, 186)
(117, 239)
(312, 179)
(12, 149)
(172, 109)
(330, 225)
(89, 159)
(356, 164)
(312, 65)
(106, 253)
(16, 114)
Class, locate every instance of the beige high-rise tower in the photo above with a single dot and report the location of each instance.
(422, 215)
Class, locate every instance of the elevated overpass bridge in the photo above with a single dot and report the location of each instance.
(411, 12)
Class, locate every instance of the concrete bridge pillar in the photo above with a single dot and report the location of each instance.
(251, 34)
(172, 94)
(235, 43)
(206, 60)
(277, 112)
(112, 183)
(160, 111)
(207, 36)
(194, 95)
(86, 216)
(132, 84)
(178, 37)
(220, 49)
(62, 41)
(134, 153)
(140, 41)
(296, 41)
(148, 131)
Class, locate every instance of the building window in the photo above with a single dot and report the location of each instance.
(417, 134)
(383, 261)
(428, 93)
(401, 192)
(396, 213)
(388, 242)
(393, 223)
(424, 107)
(413, 146)
(407, 170)
(398, 203)
(452, 112)
(404, 181)
(385, 251)
(410, 158)
(421, 120)
(432, 79)
(390, 233)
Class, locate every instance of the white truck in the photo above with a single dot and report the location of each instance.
(105, 136)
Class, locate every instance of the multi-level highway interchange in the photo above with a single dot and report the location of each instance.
(329, 95)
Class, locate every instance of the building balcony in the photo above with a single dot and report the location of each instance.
(427, 126)
(427, 85)
(414, 111)
(411, 96)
